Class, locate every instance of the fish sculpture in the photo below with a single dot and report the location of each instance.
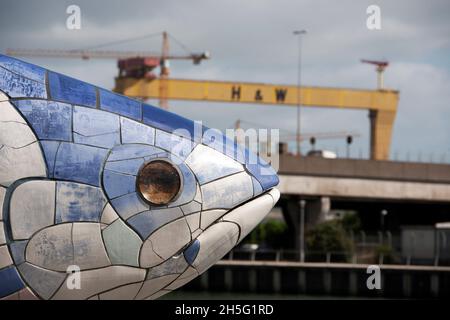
(106, 197)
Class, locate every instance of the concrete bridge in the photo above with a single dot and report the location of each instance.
(364, 179)
(412, 193)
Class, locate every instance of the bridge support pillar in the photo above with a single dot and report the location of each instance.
(228, 279)
(252, 280)
(301, 281)
(317, 210)
(204, 281)
(276, 281)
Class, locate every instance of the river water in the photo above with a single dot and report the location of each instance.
(202, 295)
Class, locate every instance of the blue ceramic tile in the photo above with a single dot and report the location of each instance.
(95, 127)
(191, 252)
(18, 251)
(10, 280)
(176, 145)
(135, 132)
(50, 148)
(120, 104)
(146, 222)
(50, 120)
(78, 202)
(79, 163)
(66, 89)
(117, 184)
(17, 86)
(209, 164)
(215, 139)
(129, 205)
(262, 171)
(257, 189)
(167, 121)
(189, 186)
(130, 166)
(22, 68)
(132, 151)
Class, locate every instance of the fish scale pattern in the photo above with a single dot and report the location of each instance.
(70, 157)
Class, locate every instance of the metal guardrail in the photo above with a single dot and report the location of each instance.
(395, 258)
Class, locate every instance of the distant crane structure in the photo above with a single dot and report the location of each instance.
(131, 64)
(136, 79)
(381, 66)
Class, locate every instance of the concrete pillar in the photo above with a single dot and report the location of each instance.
(317, 210)
(204, 281)
(407, 288)
(252, 280)
(327, 281)
(353, 283)
(276, 281)
(434, 284)
(301, 281)
(228, 279)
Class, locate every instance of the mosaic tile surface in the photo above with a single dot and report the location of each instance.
(71, 163)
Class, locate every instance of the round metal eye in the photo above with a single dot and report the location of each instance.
(158, 182)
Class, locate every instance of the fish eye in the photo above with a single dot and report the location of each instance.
(158, 182)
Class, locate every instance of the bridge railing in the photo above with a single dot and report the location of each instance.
(393, 257)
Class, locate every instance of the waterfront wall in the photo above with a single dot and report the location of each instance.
(324, 279)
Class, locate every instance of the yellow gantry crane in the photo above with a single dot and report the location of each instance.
(382, 104)
(136, 80)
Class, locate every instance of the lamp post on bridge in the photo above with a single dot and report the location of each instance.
(299, 34)
(302, 230)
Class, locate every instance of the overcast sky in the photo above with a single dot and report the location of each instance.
(251, 40)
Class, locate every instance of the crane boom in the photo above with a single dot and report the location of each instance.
(101, 54)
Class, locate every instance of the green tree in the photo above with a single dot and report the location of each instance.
(329, 236)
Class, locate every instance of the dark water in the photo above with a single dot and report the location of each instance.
(192, 295)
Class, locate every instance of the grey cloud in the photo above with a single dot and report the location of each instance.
(252, 40)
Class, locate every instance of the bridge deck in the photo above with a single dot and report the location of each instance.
(365, 169)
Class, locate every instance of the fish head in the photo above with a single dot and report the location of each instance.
(119, 183)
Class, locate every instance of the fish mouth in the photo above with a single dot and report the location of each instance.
(249, 214)
(219, 238)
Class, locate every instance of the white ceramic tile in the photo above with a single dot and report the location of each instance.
(193, 221)
(5, 258)
(109, 215)
(209, 164)
(15, 135)
(21, 163)
(136, 132)
(3, 97)
(2, 232)
(228, 192)
(96, 281)
(89, 251)
(210, 216)
(250, 214)
(52, 248)
(2, 198)
(9, 113)
(127, 292)
(215, 242)
(148, 258)
(32, 208)
(44, 282)
(122, 244)
(152, 286)
(184, 278)
(170, 238)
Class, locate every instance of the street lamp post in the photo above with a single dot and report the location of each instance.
(299, 33)
(302, 230)
(383, 217)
